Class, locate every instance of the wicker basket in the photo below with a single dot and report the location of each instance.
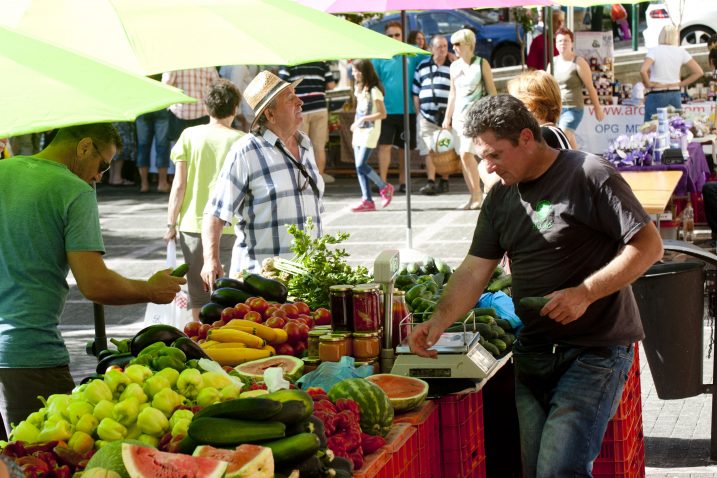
(447, 162)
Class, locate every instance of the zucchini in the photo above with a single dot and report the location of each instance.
(442, 266)
(504, 324)
(228, 282)
(118, 359)
(533, 303)
(292, 412)
(270, 289)
(500, 283)
(478, 311)
(486, 331)
(229, 297)
(255, 408)
(191, 349)
(285, 395)
(228, 431)
(491, 348)
(181, 270)
(485, 319)
(292, 449)
(154, 333)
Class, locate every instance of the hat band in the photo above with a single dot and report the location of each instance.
(270, 95)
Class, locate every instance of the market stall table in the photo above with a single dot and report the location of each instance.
(653, 188)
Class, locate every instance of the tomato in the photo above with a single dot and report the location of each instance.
(303, 308)
(322, 316)
(254, 316)
(241, 310)
(279, 313)
(284, 349)
(257, 304)
(218, 324)
(304, 329)
(299, 349)
(203, 330)
(270, 310)
(192, 328)
(291, 310)
(293, 331)
(275, 322)
(229, 314)
(307, 319)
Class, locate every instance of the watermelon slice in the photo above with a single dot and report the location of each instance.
(247, 461)
(253, 371)
(404, 393)
(143, 462)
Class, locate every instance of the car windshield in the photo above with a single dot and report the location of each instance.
(443, 22)
(485, 16)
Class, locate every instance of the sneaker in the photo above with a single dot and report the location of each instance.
(386, 195)
(364, 206)
(443, 186)
(328, 179)
(402, 188)
(429, 189)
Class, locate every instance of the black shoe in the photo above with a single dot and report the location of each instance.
(402, 188)
(443, 186)
(429, 189)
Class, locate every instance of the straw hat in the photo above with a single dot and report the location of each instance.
(262, 90)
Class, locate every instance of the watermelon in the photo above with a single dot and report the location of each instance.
(109, 458)
(247, 461)
(253, 371)
(404, 393)
(376, 409)
(143, 462)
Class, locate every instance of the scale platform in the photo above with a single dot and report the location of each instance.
(460, 355)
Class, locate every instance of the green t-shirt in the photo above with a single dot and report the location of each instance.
(204, 149)
(45, 212)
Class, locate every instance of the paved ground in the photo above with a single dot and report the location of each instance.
(677, 432)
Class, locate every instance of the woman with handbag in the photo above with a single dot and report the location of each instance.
(366, 129)
(471, 79)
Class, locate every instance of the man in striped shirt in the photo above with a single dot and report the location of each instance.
(316, 80)
(431, 85)
(269, 180)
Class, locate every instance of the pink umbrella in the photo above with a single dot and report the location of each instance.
(346, 6)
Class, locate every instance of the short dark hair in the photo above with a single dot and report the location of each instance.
(393, 23)
(102, 134)
(504, 115)
(566, 31)
(712, 40)
(221, 98)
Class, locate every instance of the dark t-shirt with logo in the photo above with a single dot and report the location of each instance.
(557, 230)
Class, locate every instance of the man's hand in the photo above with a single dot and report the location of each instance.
(170, 235)
(164, 287)
(566, 305)
(423, 336)
(211, 271)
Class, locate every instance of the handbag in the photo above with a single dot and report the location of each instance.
(445, 158)
(176, 313)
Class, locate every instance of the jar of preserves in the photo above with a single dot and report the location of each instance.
(366, 346)
(341, 307)
(372, 363)
(310, 364)
(400, 311)
(366, 308)
(331, 348)
(312, 346)
(346, 336)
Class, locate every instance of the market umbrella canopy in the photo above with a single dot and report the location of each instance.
(592, 3)
(46, 87)
(153, 36)
(346, 6)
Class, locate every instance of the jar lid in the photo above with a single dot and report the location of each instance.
(330, 338)
(324, 328)
(342, 335)
(366, 287)
(365, 335)
(340, 287)
(316, 333)
(311, 361)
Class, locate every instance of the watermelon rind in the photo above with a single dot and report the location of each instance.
(391, 385)
(261, 465)
(376, 409)
(109, 457)
(144, 462)
(253, 371)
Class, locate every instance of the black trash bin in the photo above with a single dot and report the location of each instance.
(671, 301)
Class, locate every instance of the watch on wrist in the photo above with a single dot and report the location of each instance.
(171, 226)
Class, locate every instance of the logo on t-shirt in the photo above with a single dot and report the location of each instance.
(544, 215)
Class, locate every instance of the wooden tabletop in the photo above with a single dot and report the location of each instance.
(653, 188)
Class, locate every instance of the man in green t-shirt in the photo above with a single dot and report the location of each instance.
(49, 225)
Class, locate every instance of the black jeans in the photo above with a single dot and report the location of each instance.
(709, 193)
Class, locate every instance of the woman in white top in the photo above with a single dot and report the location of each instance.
(660, 72)
(471, 79)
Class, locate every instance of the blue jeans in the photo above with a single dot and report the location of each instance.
(565, 401)
(661, 99)
(570, 118)
(153, 126)
(366, 172)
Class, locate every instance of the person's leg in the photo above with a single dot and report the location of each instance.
(576, 422)
(162, 126)
(145, 125)
(191, 245)
(319, 134)
(472, 179)
(650, 106)
(116, 172)
(365, 172)
(709, 193)
(430, 188)
(531, 417)
(385, 142)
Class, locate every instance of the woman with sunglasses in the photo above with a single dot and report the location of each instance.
(471, 79)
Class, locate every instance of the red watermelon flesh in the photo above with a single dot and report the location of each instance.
(404, 393)
(143, 462)
(246, 461)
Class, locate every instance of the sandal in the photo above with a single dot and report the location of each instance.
(125, 182)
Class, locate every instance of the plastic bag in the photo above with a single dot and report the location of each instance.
(327, 374)
(503, 304)
(177, 312)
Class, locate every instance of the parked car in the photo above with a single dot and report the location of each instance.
(698, 20)
(495, 41)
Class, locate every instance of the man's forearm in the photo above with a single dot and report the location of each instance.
(211, 232)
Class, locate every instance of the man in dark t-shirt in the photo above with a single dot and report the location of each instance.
(576, 235)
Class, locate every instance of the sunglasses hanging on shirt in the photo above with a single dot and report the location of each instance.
(304, 173)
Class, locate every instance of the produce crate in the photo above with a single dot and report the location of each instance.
(426, 420)
(402, 447)
(373, 464)
(463, 445)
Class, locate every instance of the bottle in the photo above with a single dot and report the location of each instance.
(688, 222)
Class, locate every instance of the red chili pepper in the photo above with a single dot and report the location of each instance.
(48, 457)
(371, 443)
(33, 466)
(325, 405)
(348, 404)
(351, 441)
(316, 391)
(357, 458)
(328, 419)
(338, 443)
(63, 471)
(15, 449)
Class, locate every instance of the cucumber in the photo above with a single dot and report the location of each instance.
(486, 331)
(498, 331)
(500, 283)
(485, 319)
(442, 266)
(533, 303)
(485, 311)
(412, 268)
(509, 339)
(293, 449)
(499, 344)
(285, 395)
(504, 324)
(292, 411)
(497, 272)
(491, 348)
(227, 431)
(181, 270)
(255, 408)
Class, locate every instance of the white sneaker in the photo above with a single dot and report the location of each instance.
(328, 179)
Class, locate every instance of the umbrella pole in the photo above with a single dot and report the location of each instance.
(635, 19)
(406, 137)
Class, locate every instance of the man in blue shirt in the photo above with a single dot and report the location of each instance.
(390, 72)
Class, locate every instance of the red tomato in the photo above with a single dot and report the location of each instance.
(275, 322)
(258, 304)
(203, 330)
(218, 324)
(241, 310)
(293, 331)
(299, 349)
(303, 308)
(254, 316)
(192, 328)
(229, 314)
(284, 349)
(304, 329)
(307, 319)
(322, 316)
(270, 310)
(291, 310)
(280, 313)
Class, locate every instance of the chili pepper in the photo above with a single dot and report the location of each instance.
(348, 404)
(357, 459)
(328, 420)
(371, 443)
(33, 466)
(325, 405)
(338, 443)
(48, 457)
(350, 440)
(316, 392)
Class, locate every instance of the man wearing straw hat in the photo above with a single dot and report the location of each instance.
(269, 180)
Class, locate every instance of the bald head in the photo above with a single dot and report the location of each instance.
(439, 49)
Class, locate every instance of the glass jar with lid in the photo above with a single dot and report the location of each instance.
(400, 311)
(312, 346)
(340, 299)
(366, 308)
(347, 337)
(331, 348)
(366, 346)
(310, 364)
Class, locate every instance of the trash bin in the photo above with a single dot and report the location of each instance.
(671, 301)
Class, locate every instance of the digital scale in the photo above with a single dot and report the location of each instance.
(460, 355)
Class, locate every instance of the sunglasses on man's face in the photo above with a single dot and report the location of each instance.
(104, 165)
